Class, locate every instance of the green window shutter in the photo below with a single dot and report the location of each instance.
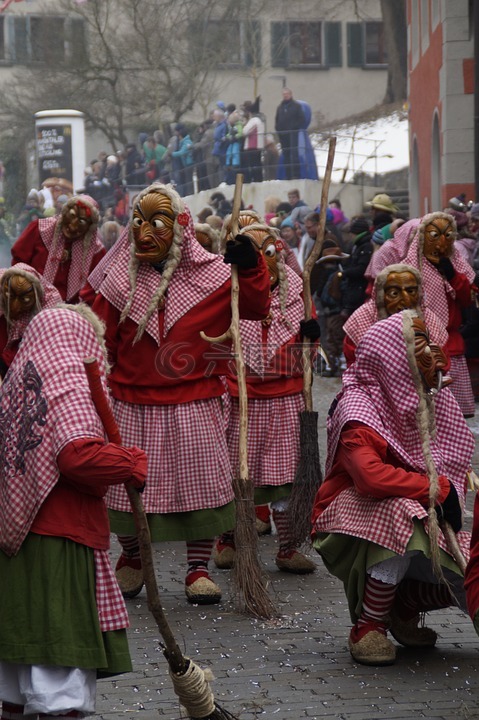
(355, 45)
(20, 46)
(78, 41)
(279, 44)
(332, 41)
(252, 55)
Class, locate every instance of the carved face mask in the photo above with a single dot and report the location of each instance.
(401, 292)
(266, 245)
(439, 236)
(18, 296)
(76, 221)
(153, 219)
(430, 359)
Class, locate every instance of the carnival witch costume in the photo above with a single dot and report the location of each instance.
(448, 286)
(64, 249)
(398, 452)
(273, 357)
(162, 290)
(63, 619)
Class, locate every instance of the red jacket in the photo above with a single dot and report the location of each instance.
(184, 367)
(75, 508)
(363, 459)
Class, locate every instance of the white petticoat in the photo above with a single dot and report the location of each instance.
(47, 689)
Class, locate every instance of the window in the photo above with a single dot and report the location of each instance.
(46, 39)
(2, 38)
(236, 44)
(305, 44)
(366, 45)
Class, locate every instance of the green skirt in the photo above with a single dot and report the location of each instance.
(348, 558)
(270, 493)
(194, 525)
(48, 611)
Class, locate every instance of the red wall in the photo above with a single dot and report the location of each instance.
(423, 102)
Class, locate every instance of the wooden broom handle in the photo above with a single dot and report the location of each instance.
(105, 413)
(318, 243)
(309, 264)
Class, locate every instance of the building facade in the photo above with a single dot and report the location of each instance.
(441, 102)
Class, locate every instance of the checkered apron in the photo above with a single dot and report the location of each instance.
(273, 438)
(461, 386)
(378, 391)
(45, 403)
(51, 297)
(188, 463)
(393, 251)
(81, 258)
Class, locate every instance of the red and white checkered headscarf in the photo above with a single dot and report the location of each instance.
(82, 252)
(46, 296)
(100, 271)
(132, 286)
(435, 286)
(394, 250)
(45, 403)
(284, 325)
(379, 391)
(374, 310)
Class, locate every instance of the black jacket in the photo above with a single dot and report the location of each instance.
(354, 283)
(289, 116)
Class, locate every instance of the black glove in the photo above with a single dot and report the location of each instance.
(450, 510)
(241, 252)
(310, 329)
(446, 268)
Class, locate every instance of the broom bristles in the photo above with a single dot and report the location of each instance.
(307, 480)
(249, 580)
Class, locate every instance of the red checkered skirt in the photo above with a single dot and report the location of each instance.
(388, 523)
(461, 386)
(273, 438)
(188, 463)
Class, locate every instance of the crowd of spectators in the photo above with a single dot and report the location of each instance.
(202, 156)
(338, 282)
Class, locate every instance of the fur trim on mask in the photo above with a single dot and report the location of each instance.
(380, 283)
(172, 260)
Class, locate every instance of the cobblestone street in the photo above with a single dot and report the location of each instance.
(297, 666)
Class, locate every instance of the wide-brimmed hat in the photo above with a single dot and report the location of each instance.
(382, 202)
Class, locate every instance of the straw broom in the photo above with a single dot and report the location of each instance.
(190, 682)
(249, 580)
(308, 476)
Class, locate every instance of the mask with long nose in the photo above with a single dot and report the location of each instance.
(152, 226)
